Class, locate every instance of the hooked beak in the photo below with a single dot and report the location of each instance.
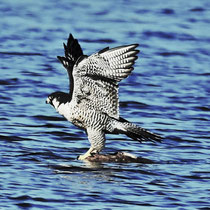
(47, 101)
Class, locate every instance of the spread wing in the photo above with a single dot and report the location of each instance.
(73, 52)
(96, 78)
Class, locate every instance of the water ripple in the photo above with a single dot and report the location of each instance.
(168, 93)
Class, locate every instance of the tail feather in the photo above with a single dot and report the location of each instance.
(135, 132)
(141, 134)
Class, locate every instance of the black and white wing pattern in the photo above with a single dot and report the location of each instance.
(73, 52)
(96, 77)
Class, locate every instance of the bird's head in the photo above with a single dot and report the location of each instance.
(57, 98)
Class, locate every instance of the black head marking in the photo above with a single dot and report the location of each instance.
(59, 96)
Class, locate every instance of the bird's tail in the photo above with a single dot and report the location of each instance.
(133, 131)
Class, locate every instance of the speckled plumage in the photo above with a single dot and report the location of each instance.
(93, 103)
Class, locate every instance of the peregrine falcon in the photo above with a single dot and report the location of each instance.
(92, 102)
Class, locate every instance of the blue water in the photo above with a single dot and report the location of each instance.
(168, 93)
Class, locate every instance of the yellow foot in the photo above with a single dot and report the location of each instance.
(83, 157)
(87, 154)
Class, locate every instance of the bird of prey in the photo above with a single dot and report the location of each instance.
(92, 102)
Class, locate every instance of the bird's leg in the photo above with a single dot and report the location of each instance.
(96, 138)
(87, 154)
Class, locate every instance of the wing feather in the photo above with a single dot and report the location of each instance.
(73, 52)
(94, 79)
(114, 64)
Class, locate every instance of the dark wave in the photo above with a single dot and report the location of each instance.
(9, 81)
(48, 118)
(159, 34)
(203, 108)
(168, 54)
(169, 35)
(133, 104)
(197, 9)
(30, 198)
(168, 11)
(13, 138)
(21, 53)
(98, 40)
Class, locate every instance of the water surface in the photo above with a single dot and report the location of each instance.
(168, 93)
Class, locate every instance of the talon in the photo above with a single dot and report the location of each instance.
(91, 152)
(83, 157)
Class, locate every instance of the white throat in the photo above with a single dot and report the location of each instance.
(61, 108)
(55, 103)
